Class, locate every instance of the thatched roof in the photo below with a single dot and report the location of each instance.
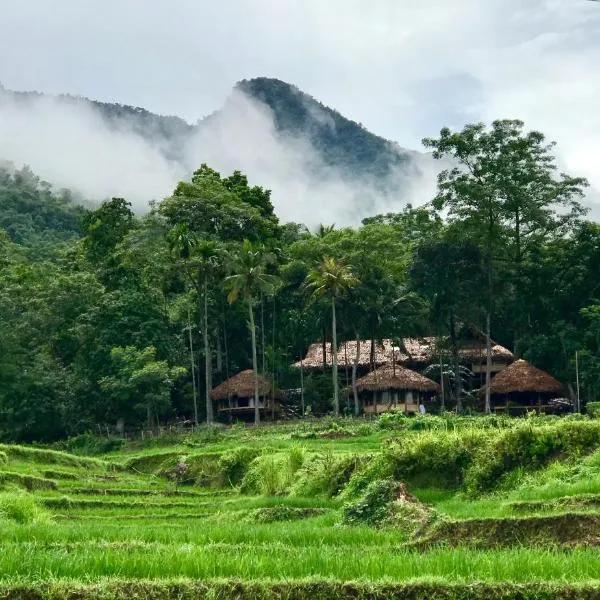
(241, 385)
(426, 349)
(522, 376)
(384, 353)
(314, 357)
(386, 378)
(420, 350)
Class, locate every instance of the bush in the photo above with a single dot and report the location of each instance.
(370, 469)
(326, 474)
(436, 458)
(87, 444)
(3, 458)
(296, 458)
(21, 508)
(234, 464)
(268, 474)
(593, 409)
(374, 506)
(529, 446)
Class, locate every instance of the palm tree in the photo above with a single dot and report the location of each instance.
(331, 278)
(201, 259)
(249, 280)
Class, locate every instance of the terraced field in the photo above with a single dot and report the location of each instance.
(322, 511)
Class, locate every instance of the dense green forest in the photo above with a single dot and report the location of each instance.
(98, 307)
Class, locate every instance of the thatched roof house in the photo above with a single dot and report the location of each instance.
(523, 377)
(234, 398)
(314, 357)
(384, 353)
(398, 378)
(391, 388)
(241, 385)
(427, 349)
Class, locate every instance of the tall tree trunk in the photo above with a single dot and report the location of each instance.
(336, 393)
(273, 366)
(518, 261)
(354, 367)
(193, 370)
(219, 350)
(262, 333)
(254, 363)
(488, 362)
(457, 378)
(488, 316)
(207, 360)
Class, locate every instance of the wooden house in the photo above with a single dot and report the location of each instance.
(521, 387)
(392, 387)
(234, 398)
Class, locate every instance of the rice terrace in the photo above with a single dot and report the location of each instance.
(455, 507)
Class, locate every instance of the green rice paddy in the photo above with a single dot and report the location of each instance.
(121, 518)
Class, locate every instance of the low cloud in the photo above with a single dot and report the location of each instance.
(69, 144)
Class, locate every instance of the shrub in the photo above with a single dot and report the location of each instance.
(88, 444)
(296, 458)
(374, 506)
(3, 458)
(326, 474)
(436, 458)
(234, 464)
(529, 446)
(593, 409)
(268, 474)
(21, 508)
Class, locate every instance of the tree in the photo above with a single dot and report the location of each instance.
(141, 379)
(201, 259)
(249, 280)
(450, 274)
(331, 278)
(504, 179)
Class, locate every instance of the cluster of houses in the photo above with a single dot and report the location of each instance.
(399, 378)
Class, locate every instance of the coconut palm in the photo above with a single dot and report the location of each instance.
(331, 278)
(249, 280)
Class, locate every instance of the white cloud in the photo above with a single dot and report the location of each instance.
(403, 68)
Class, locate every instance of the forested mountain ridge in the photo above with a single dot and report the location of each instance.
(320, 142)
(34, 216)
(339, 141)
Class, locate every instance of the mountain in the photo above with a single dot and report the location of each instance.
(340, 142)
(280, 136)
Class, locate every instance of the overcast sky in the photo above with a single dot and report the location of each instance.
(401, 67)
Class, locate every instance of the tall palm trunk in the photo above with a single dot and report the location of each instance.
(456, 361)
(254, 363)
(207, 360)
(189, 328)
(488, 362)
(354, 366)
(336, 393)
